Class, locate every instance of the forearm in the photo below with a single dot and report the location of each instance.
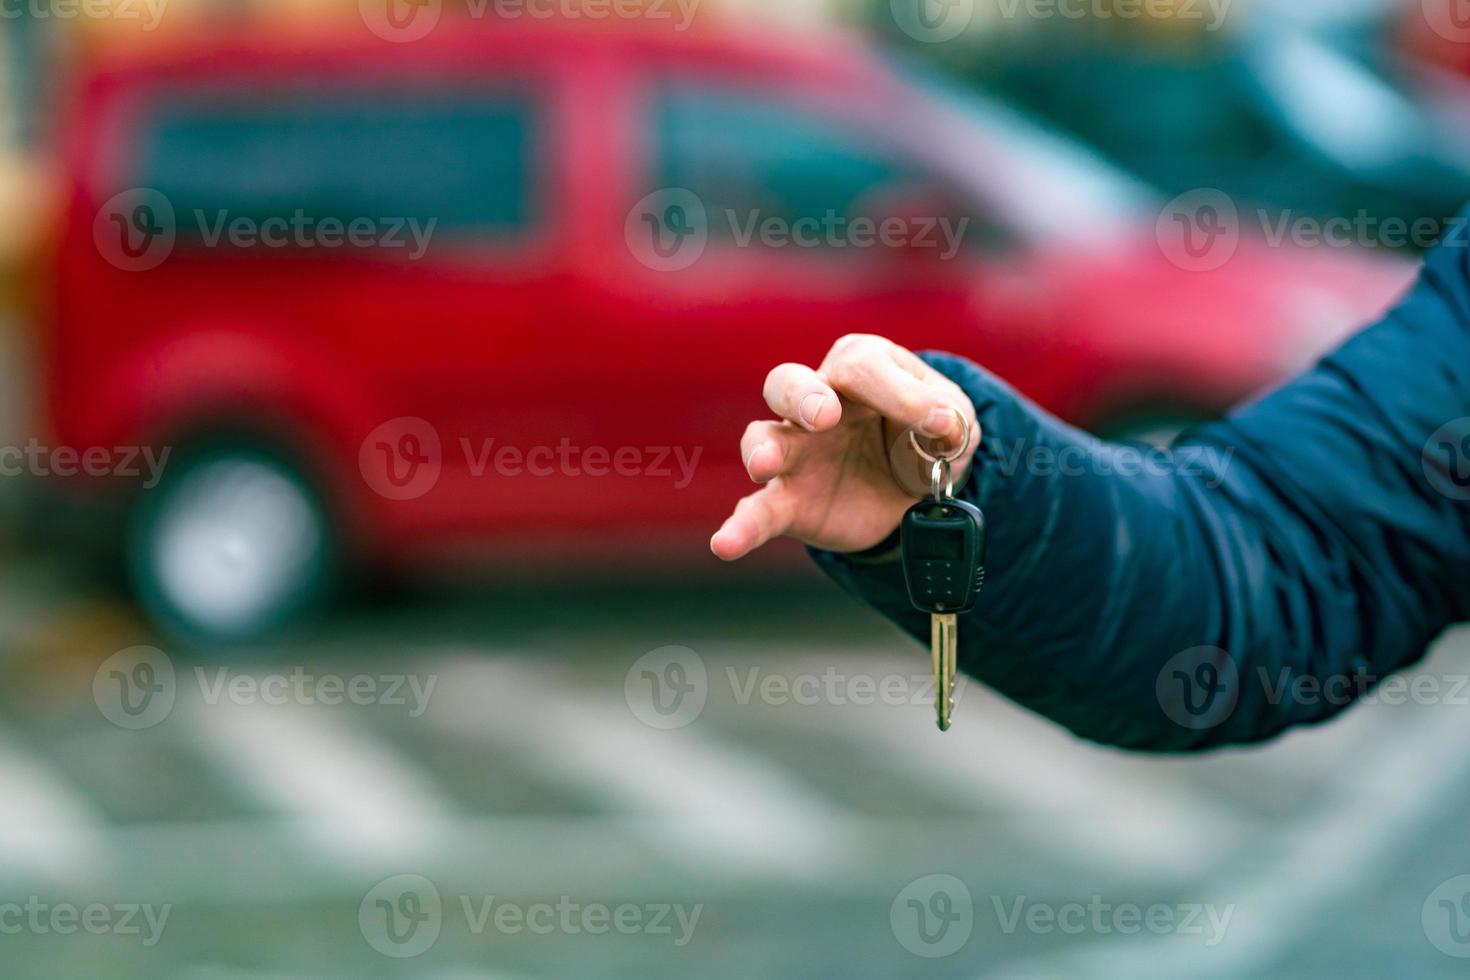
(1299, 539)
(1095, 578)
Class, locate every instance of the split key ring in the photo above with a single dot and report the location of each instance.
(941, 478)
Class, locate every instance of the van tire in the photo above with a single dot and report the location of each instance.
(232, 546)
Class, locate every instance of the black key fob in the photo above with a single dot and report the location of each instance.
(942, 544)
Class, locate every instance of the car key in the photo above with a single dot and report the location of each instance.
(942, 547)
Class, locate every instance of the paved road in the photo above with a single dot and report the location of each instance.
(514, 781)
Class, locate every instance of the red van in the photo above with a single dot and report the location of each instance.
(511, 291)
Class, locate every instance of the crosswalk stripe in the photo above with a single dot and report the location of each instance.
(350, 795)
(726, 800)
(216, 972)
(1409, 770)
(1089, 803)
(46, 827)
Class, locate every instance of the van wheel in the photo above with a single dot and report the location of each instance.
(232, 545)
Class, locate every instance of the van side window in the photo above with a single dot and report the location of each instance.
(465, 160)
(747, 158)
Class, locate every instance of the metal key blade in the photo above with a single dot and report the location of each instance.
(943, 639)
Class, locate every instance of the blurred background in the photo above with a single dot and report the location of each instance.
(373, 376)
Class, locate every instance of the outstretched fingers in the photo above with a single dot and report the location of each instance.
(771, 449)
(758, 518)
(799, 395)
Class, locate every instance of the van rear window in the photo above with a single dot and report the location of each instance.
(464, 160)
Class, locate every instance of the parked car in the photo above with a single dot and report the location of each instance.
(1276, 117)
(1435, 32)
(561, 375)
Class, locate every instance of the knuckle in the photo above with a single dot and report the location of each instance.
(854, 345)
(777, 381)
(850, 364)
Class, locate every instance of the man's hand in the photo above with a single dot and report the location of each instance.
(839, 471)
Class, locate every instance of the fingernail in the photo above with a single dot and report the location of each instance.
(811, 408)
(937, 423)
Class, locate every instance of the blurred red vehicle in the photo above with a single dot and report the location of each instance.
(567, 289)
(1436, 32)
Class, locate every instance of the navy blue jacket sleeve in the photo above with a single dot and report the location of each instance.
(1266, 572)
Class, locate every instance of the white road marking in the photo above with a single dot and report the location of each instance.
(46, 826)
(1411, 767)
(729, 808)
(1095, 805)
(347, 792)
